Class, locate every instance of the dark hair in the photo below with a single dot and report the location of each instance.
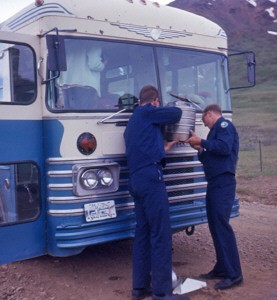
(214, 108)
(148, 94)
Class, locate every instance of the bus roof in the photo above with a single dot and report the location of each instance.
(138, 20)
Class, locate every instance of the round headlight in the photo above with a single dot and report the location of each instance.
(105, 177)
(89, 179)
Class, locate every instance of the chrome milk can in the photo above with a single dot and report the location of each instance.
(181, 130)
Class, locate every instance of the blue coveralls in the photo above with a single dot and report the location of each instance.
(219, 157)
(152, 259)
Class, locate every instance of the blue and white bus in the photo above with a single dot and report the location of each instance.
(70, 76)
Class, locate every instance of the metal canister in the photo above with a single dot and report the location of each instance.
(181, 130)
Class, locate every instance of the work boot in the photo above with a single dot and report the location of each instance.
(139, 294)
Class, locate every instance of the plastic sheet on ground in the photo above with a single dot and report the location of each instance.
(189, 285)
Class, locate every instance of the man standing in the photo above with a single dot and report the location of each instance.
(219, 154)
(145, 150)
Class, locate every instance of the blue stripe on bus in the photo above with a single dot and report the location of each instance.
(20, 140)
(26, 20)
(53, 131)
(34, 13)
(25, 139)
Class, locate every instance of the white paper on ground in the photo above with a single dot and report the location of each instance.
(189, 285)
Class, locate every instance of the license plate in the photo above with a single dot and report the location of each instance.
(100, 211)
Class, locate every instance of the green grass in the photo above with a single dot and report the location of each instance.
(255, 116)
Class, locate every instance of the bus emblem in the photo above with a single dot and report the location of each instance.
(154, 33)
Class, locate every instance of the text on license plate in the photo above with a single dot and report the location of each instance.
(100, 211)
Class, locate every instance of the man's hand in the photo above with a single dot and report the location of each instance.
(198, 148)
(168, 145)
(194, 140)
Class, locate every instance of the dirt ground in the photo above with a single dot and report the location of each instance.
(103, 272)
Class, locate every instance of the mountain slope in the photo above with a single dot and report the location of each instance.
(249, 24)
(235, 15)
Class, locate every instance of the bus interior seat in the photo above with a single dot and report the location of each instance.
(80, 97)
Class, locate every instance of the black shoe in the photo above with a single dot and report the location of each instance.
(212, 275)
(228, 283)
(138, 294)
(170, 297)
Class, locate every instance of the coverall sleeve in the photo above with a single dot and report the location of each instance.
(166, 115)
(223, 142)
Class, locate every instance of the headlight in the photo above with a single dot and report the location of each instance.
(105, 177)
(95, 178)
(89, 179)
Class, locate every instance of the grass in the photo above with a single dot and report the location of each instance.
(255, 116)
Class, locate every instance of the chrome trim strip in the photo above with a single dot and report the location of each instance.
(171, 177)
(176, 199)
(126, 194)
(60, 187)
(69, 186)
(66, 174)
(123, 206)
(97, 159)
(178, 165)
(56, 200)
(66, 212)
(74, 160)
(59, 174)
(185, 153)
(189, 186)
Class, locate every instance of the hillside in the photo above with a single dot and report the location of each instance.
(249, 24)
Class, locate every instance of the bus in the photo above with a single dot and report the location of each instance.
(70, 76)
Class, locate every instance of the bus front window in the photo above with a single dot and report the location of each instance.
(198, 76)
(102, 76)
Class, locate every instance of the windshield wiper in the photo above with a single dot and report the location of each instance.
(109, 117)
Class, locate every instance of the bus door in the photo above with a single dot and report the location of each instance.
(22, 211)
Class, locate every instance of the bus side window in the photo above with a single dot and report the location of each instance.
(17, 74)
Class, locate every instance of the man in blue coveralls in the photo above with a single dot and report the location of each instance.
(219, 154)
(145, 150)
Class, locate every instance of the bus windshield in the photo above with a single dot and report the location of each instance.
(108, 76)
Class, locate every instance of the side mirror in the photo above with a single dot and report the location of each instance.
(239, 59)
(56, 53)
(251, 66)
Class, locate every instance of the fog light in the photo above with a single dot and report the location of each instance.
(105, 177)
(89, 179)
